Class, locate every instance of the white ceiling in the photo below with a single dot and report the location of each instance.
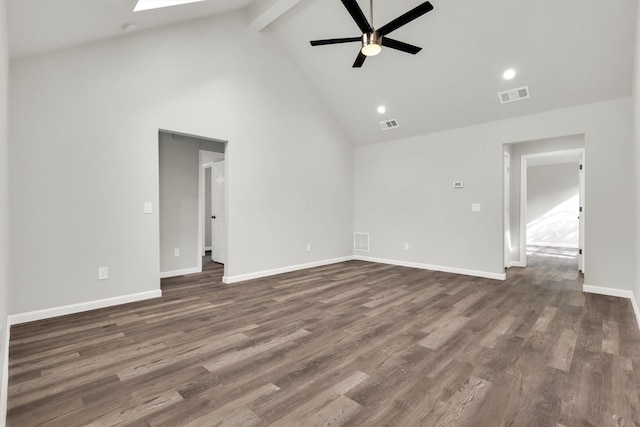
(37, 26)
(568, 52)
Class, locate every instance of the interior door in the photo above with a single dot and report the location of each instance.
(218, 213)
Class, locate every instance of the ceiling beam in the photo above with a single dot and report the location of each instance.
(261, 13)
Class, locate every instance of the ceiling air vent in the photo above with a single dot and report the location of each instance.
(361, 242)
(514, 94)
(389, 124)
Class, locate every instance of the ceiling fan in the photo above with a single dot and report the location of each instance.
(372, 40)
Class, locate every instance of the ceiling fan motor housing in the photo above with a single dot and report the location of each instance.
(371, 43)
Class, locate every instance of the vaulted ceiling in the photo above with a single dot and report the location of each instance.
(567, 52)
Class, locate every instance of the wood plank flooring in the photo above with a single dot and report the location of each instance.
(354, 344)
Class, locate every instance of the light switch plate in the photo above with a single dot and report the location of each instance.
(475, 207)
(148, 207)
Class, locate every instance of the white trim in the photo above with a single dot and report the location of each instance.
(516, 264)
(289, 269)
(636, 309)
(581, 214)
(208, 248)
(506, 212)
(184, 271)
(465, 272)
(622, 293)
(4, 387)
(47, 313)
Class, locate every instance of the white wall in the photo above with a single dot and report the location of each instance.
(403, 191)
(553, 202)
(4, 207)
(179, 163)
(84, 143)
(404, 194)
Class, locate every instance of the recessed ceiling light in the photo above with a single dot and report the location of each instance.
(382, 109)
(156, 4)
(509, 74)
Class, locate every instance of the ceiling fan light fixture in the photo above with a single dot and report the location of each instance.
(371, 44)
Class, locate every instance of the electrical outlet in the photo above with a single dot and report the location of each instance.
(103, 273)
(406, 246)
(176, 252)
(308, 247)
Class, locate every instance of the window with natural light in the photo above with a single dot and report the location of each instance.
(156, 4)
(558, 226)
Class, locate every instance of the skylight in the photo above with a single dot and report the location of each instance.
(156, 4)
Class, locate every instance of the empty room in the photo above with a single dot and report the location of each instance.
(319, 212)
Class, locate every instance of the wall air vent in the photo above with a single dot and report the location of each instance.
(514, 95)
(361, 242)
(389, 124)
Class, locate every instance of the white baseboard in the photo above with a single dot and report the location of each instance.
(4, 385)
(289, 269)
(273, 272)
(615, 293)
(184, 271)
(47, 313)
(475, 273)
(517, 264)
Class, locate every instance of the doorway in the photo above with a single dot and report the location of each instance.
(552, 208)
(212, 210)
(181, 204)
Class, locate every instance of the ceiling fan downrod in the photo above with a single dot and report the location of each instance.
(371, 42)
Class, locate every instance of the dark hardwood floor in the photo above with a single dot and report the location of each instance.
(355, 344)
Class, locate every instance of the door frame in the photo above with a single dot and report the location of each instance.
(523, 201)
(205, 166)
(207, 158)
(218, 233)
(507, 209)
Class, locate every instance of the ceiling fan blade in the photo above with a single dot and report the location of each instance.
(335, 41)
(359, 60)
(406, 18)
(357, 15)
(398, 45)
